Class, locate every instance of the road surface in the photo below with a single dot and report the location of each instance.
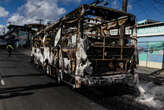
(27, 89)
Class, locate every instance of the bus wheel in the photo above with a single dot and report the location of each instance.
(32, 59)
(59, 78)
(48, 69)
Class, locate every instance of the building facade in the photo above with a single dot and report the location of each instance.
(21, 36)
(151, 44)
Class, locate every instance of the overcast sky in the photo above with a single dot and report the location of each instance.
(29, 11)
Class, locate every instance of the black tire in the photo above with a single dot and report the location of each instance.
(32, 59)
(59, 78)
(35, 60)
(48, 69)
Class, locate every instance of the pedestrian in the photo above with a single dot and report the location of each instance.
(9, 49)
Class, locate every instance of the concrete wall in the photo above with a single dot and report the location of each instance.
(151, 45)
(151, 51)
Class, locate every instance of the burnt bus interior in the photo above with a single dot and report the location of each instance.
(110, 40)
(37, 40)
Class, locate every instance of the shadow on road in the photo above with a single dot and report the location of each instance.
(23, 90)
(24, 75)
(157, 72)
(27, 88)
(154, 77)
(113, 98)
(16, 94)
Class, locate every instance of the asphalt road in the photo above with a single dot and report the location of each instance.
(27, 89)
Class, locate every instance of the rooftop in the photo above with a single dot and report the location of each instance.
(148, 23)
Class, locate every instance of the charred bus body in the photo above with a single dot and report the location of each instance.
(91, 45)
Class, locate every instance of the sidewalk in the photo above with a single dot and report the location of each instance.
(151, 75)
(150, 71)
(145, 70)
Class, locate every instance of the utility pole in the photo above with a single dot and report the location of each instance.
(40, 21)
(122, 27)
(124, 5)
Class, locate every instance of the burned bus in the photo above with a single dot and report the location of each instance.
(90, 46)
(40, 53)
